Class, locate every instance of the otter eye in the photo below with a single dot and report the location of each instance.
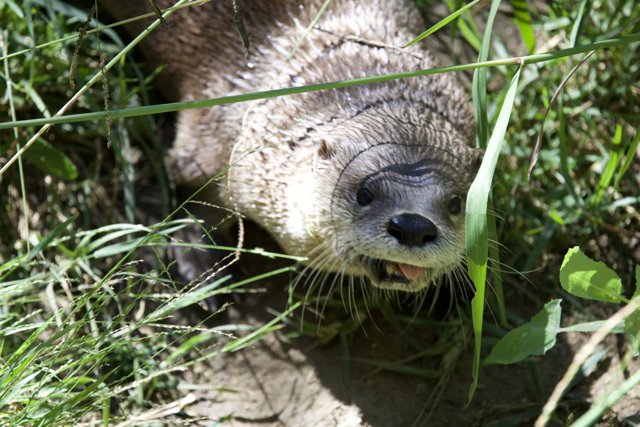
(364, 197)
(455, 205)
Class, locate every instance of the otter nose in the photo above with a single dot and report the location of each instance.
(412, 229)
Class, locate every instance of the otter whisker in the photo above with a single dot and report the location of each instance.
(338, 278)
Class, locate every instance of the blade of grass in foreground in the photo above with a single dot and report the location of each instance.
(476, 221)
(479, 95)
(479, 89)
(232, 99)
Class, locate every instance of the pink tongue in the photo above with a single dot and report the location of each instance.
(411, 272)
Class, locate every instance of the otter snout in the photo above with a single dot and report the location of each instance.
(412, 229)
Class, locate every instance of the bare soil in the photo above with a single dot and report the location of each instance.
(294, 382)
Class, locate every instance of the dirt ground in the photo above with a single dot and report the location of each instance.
(291, 382)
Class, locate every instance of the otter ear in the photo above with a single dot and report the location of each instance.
(325, 151)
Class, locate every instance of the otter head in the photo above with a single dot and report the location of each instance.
(397, 209)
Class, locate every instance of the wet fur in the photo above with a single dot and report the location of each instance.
(292, 158)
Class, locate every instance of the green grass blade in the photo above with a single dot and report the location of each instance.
(14, 8)
(225, 100)
(76, 399)
(275, 323)
(467, 27)
(494, 256)
(629, 156)
(469, 34)
(442, 23)
(522, 18)
(476, 221)
(615, 157)
(102, 28)
(594, 414)
(577, 24)
(479, 90)
(42, 244)
(97, 76)
(479, 97)
(400, 368)
(564, 154)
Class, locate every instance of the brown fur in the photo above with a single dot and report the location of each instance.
(290, 155)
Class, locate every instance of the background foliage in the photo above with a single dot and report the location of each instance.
(85, 327)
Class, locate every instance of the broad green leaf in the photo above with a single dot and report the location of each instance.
(533, 339)
(51, 160)
(585, 278)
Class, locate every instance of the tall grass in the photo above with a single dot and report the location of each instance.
(86, 334)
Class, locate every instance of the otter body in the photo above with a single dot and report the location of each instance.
(366, 181)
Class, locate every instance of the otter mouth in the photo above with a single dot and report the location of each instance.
(382, 271)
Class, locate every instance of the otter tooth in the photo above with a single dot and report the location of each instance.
(390, 268)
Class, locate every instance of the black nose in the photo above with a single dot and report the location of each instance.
(412, 229)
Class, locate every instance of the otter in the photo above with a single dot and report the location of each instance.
(365, 181)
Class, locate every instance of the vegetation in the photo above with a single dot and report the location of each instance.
(95, 326)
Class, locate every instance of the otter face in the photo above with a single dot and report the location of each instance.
(397, 213)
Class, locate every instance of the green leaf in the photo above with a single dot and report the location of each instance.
(51, 160)
(585, 278)
(533, 339)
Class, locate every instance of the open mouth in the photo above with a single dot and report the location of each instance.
(390, 271)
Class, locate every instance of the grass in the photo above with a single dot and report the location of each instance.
(88, 334)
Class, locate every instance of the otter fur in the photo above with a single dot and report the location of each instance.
(366, 181)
